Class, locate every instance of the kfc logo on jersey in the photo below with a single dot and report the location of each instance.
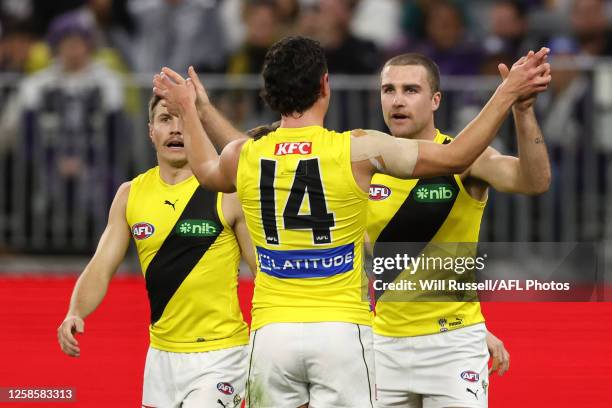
(378, 192)
(293, 148)
(225, 388)
(470, 376)
(142, 230)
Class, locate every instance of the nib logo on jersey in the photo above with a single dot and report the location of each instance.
(434, 193)
(310, 263)
(197, 228)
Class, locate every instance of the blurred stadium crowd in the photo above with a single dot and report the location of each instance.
(231, 36)
(75, 78)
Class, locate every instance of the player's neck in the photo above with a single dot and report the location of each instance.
(174, 175)
(309, 118)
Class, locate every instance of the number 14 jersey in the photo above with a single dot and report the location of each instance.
(306, 216)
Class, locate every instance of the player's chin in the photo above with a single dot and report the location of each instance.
(176, 159)
(402, 128)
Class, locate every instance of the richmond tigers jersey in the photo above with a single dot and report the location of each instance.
(436, 210)
(189, 256)
(306, 216)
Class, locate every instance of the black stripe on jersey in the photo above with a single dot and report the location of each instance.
(415, 221)
(178, 255)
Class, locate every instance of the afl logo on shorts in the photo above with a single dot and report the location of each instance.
(142, 230)
(470, 376)
(225, 388)
(378, 192)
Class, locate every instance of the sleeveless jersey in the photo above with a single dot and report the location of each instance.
(189, 256)
(306, 216)
(436, 210)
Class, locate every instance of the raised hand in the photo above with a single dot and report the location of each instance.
(529, 75)
(202, 96)
(177, 93)
(524, 102)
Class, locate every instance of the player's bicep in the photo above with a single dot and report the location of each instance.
(115, 239)
(499, 171)
(435, 159)
(386, 154)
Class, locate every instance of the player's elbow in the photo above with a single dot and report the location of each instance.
(202, 174)
(541, 186)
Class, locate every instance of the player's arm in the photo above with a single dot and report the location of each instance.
(528, 76)
(404, 158)
(499, 354)
(219, 129)
(214, 172)
(235, 217)
(91, 286)
(529, 173)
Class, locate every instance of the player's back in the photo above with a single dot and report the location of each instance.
(306, 216)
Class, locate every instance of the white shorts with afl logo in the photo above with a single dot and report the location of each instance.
(440, 370)
(324, 365)
(212, 379)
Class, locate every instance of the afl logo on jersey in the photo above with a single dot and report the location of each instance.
(470, 376)
(293, 148)
(378, 192)
(142, 230)
(225, 388)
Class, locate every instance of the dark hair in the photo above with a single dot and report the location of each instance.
(153, 102)
(261, 131)
(292, 74)
(433, 72)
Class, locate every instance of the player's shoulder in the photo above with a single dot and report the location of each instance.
(123, 191)
(120, 202)
(144, 176)
(233, 148)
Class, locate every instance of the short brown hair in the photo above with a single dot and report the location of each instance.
(153, 102)
(433, 72)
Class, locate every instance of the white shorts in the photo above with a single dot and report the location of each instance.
(324, 365)
(212, 379)
(447, 369)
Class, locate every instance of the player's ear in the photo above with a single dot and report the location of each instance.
(435, 101)
(325, 90)
(151, 132)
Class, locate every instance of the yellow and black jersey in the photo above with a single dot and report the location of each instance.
(306, 216)
(189, 256)
(436, 210)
